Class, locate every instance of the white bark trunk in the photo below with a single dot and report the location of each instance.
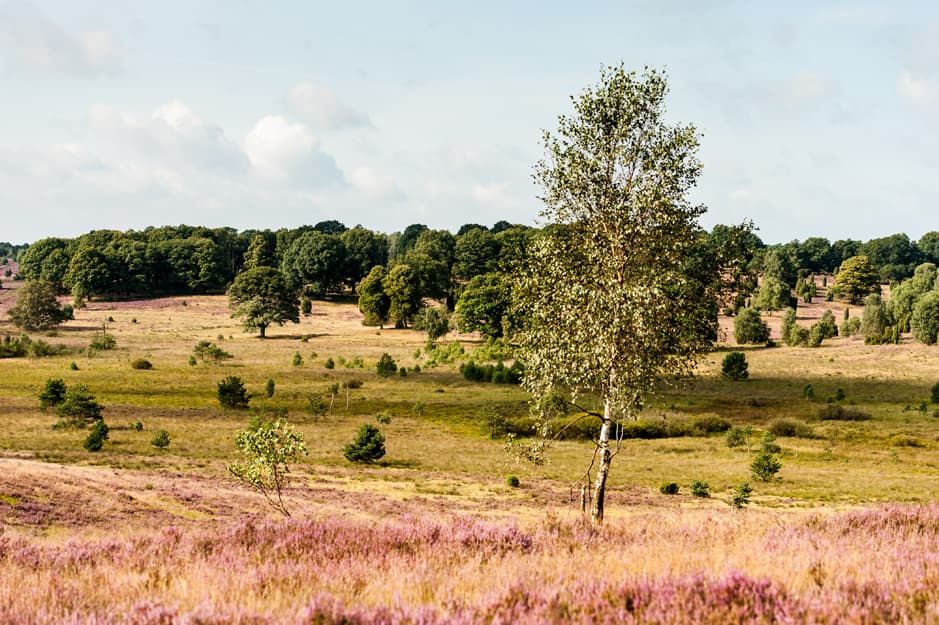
(603, 468)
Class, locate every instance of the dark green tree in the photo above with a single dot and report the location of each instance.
(484, 304)
(364, 250)
(260, 253)
(315, 262)
(88, 274)
(36, 307)
(261, 297)
(925, 321)
(231, 393)
(735, 367)
(435, 320)
(374, 303)
(476, 253)
(368, 446)
(749, 327)
(404, 296)
(875, 319)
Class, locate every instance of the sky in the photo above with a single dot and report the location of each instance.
(817, 118)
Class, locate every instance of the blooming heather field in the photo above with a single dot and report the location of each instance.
(845, 533)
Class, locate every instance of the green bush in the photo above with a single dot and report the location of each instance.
(735, 367)
(741, 495)
(316, 406)
(330, 363)
(709, 424)
(934, 393)
(496, 374)
(808, 391)
(232, 393)
(738, 436)
(269, 388)
(700, 489)
(79, 407)
(765, 466)
(850, 327)
(95, 439)
(749, 327)
(834, 412)
(386, 365)
(141, 363)
(297, 359)
(669, 488)
(53, 393)
(353, 384)
(768, 443)
(512, 481)
(368, 446)
(306, 306)
(161, 440)
(790, 428)
(102, 342)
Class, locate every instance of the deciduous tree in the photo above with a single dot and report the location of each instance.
(36, 307)
(856, 278)
(261, 297)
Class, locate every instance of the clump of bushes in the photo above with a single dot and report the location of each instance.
(835, 412)
(53, 393)
(206, 350)
(103, 341)
(700, 489)
(141, 363)
(78, 407)
(496, 374)
(22, 346)
(790, 428)
(750, 328)
(669, 488)
(735, 367)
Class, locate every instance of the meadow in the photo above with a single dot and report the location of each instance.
(846, 533)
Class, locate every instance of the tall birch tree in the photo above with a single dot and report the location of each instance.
(616, 295)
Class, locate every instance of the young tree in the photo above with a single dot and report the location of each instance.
(374, 303)
(750, 328)
(36, 307)
(261, 296)
(609, 302)
(268, 448)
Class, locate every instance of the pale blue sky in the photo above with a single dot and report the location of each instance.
(818, 118)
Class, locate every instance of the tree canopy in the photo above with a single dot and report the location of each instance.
(262, 297)
(856, 278)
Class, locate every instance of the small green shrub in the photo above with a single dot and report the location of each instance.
(78, 407)
(232, 393)
(922, 406)
(735, 367)
(137, 426)
(403, 372)
(934, 393)
(73, 366)
(741, 495)
(808, 391)
(383, 417)
(95, 439)
(206, 350)
(765, 466)
(738, 436)
(700, 489)
(709, 424)
(269, 388)
(192, 361)
(840, 395)
(790, 428)
(102, 342)
(330, 363)
(353, 384)
(768, 443)
(306, 306)
(386, 365)
(53, 393)
(669, 488)
(297, 359)
(368, 446)
(749, 327)
(835, 412)
(316, 406)
(141, 363)
(161, 440)
(512, 481)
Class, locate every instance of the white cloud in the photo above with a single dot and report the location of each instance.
(376, 184)
(320, 107)
(173, 134)
(921, 92)
(32, 42)
(739, 195)
(282, 151)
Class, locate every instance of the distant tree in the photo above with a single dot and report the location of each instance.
(780, 263)
(928, 246)
(88, 274)
(431, 276)
(842, 250)
(875, 319)
(893, 256)
(364, 250)
(368, 446)
(484, 304)
(925, 321)
(827, 325)
(467, 227)
(95, 439)
(500, 226)
(476, 253)
(231, 393)
(46, 260)
(386, 365)
(330, 226)
(407, 239)
(435, 320)
(161, 440)
(749, 327)
(814, 254)
(260, 253)
(374, 303)
(735, 366)
(789, 327)
(268, 449)
(79, 407)
(772, 295)
(314, 263)
(52, 394)
(261, 297)
(513, 247)
(36, 307)
(856, 278)
(404, 296)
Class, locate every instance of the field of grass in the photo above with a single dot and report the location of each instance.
(432, 533)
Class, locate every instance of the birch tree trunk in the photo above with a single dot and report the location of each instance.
(603, 469)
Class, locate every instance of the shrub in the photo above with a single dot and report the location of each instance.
(840, 394)
(330, 363)
(768, 443)
(161, 440)
(735, 367)
(102, 342)
(669, 488)
(741, 495)
(386, 365)
(53, 393)
(383, 417)
(790, 428)
(738, 436)
(268, 448)
(232, 393)
(850, 327)
(79, 407)
(834, 412)
(512, 481)
(297, 359)
(765, 465)
(269, 388)
(95, 439)
(141, 363)
(368, 446)
(403, 372)
(206, 350)
(808, 391)
(353, 384)
(700, 489)
(496, 374)
(306, 306)
(73, 366)
(905, 440)
(934, 393)
(925, 320)
(316, 406)
(749, 327)
(709, 424)
(137, 426)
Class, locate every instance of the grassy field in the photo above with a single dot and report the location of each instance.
(478, 548)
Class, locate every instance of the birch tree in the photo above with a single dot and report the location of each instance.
(616, 296)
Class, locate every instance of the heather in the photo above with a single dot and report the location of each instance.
(876, 565)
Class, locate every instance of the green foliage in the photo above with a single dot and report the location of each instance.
(306, 306)
(269, 388)
(668, 488)
(789, 326)
(208, 351)
(735, 367)
(512, 481)
(749, 327)
(313, 262)
(78, 408)
(925, 320)
(36, 307)
(297, 359)
(141, 363)
(383, 417)
(404, 296)
(772, 295)
(496, 374)
(856, 278)
(484, 305)
(261, 297)
(316, 406)
(161, 440)
(850, 327)
(875, 318)
(700, 489)
(835, 412)
(53, 393)
(934, 393)
(738, 436)
(790, 428)
(268, 448)
(386, 365)
(103, 341)
(192, 361)
(768, 443)
(96, 437)
(435, 320)
(368, 446)
(329, 363)
(765, 466)
(374, 303)
(741, 495)
(808, 391)
(827, 325)
(231, 393)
